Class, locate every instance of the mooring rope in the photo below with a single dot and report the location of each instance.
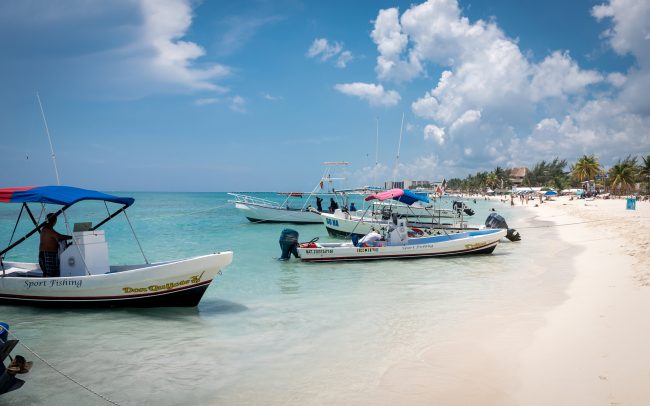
(565, 224)
(63, 373)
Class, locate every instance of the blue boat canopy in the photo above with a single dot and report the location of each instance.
(401, 195)
(62, 195)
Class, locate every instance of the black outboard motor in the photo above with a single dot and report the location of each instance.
(460, 206)
(496, 221)
(289, 244)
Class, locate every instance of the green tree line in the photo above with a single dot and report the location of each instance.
(620, 179)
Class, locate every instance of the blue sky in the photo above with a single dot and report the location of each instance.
(179, 95)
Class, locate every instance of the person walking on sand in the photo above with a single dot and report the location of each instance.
(48, 250)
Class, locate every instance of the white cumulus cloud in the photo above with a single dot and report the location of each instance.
(323, 50)
(166, 22)
(374, 94)
(435, 133)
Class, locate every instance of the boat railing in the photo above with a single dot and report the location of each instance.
(247, 199)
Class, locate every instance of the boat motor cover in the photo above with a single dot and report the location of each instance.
(495, 221)
(61, 195)
(288, 243)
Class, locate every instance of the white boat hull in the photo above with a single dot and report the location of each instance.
(471, 242)
(257, 213)
(338, 225)
(416, 211)
(175, 283)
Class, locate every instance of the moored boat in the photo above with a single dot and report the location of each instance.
(359, 223)
(259, 210)
(470, 242)
(86, 278)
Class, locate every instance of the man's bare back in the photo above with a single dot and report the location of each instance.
(50, 238)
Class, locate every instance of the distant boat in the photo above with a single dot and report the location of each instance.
(259, 210)
(292, 194)
(87, 279)
(413, 207)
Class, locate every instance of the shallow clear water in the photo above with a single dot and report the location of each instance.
(266, 332)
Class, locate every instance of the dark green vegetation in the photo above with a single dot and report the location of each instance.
(626, 176)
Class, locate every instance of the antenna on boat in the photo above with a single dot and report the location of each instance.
(49, 138)
(374, 179)
(399, 146)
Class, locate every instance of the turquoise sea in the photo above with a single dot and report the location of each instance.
(266, 332)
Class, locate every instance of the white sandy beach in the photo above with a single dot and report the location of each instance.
(583, 341)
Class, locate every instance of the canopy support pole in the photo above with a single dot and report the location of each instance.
(37, 229)
(136, 238)
(31, 215)
(16, 225)
(101, 223)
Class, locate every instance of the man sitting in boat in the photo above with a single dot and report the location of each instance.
(333, 205)
(48, 251)
(352, 207)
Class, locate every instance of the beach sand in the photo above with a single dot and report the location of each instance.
(580, 341)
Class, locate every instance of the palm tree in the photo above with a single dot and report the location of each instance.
(645, 172)
(586, 168)
(491, 180)
(623, 174)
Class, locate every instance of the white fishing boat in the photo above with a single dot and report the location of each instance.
(86, 278)
(395, 242)
(259, 210)
(398, 245)
(416, 210)
(343, 223)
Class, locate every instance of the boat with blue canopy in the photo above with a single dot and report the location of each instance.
(85, 277)
(395, 241)
(385, 205)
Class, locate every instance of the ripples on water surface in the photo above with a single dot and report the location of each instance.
(266, 332)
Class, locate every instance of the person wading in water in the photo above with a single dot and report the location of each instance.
(48, 250)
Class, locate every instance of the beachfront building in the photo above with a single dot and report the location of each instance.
(408, 184)
(517, 176)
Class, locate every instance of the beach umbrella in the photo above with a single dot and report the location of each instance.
(550, 193)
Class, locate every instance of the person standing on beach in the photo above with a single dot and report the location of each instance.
(48, 250)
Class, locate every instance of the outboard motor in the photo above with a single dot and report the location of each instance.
(496, 221)
(460, 206)
(288, 244)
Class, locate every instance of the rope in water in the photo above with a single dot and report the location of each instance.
(63, 373)
(565, 224)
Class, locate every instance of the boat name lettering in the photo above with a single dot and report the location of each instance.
(368, 249)
(167, 286)
(415, 247)
(51, 283)
(332, 222)
(319, 251)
